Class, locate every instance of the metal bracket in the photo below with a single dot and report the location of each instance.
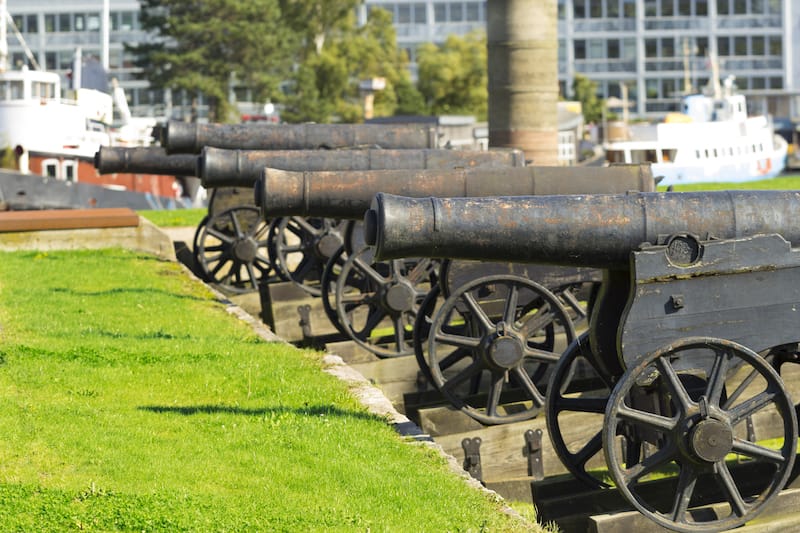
(533, 448)
(472, 457)
(305, 320)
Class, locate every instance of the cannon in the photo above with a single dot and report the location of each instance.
(361, 295)
(218, 167)
(695, 317)
(144, 160)
(185, 137)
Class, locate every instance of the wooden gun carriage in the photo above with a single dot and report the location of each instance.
(697, 313)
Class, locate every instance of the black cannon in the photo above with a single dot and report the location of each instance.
(697, 313)
(187, 137)
(144, 159)
(362, 296)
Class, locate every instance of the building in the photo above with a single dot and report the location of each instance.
(649, 52)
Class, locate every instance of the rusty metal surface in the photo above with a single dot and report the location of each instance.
(144, 160)
(219, 167)
(185, 137)
(110, 217)
(576, 230)
(343, 194)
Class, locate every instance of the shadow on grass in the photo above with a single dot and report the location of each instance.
(319, 410)
(130, 290)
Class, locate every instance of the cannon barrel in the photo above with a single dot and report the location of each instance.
(349, 194)
(185, 137)
(219, 167)
(144, 160)
(578, 230)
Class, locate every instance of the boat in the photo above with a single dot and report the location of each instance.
(713, 139)
(44, 134)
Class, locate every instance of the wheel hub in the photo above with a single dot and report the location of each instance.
(711, 440)
(328, 245)
(245, 250)
(505, 349)
(400, 297)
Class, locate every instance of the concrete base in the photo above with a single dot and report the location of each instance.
(146, 237)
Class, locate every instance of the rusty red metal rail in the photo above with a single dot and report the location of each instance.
(57, 219)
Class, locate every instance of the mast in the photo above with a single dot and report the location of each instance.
(3, 37)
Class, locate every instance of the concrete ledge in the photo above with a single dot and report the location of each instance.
(144, 237)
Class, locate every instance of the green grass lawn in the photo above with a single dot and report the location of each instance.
(132, 401)
(174, 217)
(781, 183)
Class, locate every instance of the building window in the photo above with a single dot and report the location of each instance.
(723, 8)
(457, 12)
(613, 49)
(420, 14)
(49, 23)
(723, 46)
(612, 8)
(775, 46)
(64, 22)
(579, 9)
(685, 8)
(667, 8)
(595, 10)
(650, 48)
(776, 82)
(740, 7)
(740, 46)
(473, 11)
(579, 49)
(403, 14)
(629, 9)
(440, 12)
(701, 8)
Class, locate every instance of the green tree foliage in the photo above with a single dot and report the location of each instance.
(336, 58)
(584, 90)
(453, 77)
(200, 45)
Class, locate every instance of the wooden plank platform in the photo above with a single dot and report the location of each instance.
(54, 219)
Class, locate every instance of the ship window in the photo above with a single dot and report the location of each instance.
(15, 90)
(669, 154)
(50, 168)
(69, 170)
(615, 156)
(697, 154)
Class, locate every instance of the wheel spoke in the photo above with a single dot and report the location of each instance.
(512, 301)
(573, 303)
(754, 451)
(368, 271)
(543, 317)
(542, 355)
(473, 369)
(534, 393)
(582, 405)
(237, 227)
(589, 450)
(456, 340)
(683, 494)
(478, 312)
(749, 407)
(716, 379)
(637, 471)
(644, 418)
(224, 237)
(457, 355)
(741, 388)
(495, 391)
(733, 495)
(673, 382)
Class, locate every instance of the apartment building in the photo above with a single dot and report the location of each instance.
(649, 52)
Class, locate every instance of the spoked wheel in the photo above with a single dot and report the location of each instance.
(377, 302)
(231, 249)
(492, 343)
(578, 298)
(577, 386)
(691, 400)
(302, 246)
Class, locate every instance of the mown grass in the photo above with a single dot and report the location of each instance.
(781, 183)
(131, 400)
(167, 218)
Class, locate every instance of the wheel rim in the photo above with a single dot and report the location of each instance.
(709, 388)
(575, 446)
(493, 339)
(232, 249)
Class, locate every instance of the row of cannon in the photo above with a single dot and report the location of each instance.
(664, 318)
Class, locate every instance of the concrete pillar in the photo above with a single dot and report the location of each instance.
(522, 47)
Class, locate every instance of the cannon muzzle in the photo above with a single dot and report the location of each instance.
(349, 194)
(185, 137)
(577, 230)
(144, 160)
(219, 167)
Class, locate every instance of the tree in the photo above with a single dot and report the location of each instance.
(585, 91)
(336, 57)
(453, 78)
(200, 46)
